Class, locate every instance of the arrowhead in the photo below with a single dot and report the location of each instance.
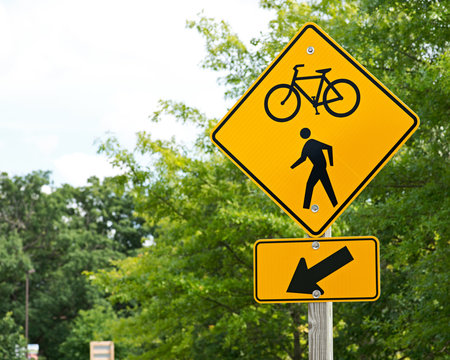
(302, 281)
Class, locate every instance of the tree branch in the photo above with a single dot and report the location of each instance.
(235, 255)
(217, 303)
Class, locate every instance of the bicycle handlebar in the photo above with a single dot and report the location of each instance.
(299, 65)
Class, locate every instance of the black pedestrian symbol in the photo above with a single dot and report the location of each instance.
(313, 150)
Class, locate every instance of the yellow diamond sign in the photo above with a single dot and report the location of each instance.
(314, 129)
(315, 270)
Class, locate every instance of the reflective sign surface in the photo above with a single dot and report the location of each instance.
(314, 129)
(311, 270)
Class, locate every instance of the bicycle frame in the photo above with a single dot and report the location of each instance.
(313, 100)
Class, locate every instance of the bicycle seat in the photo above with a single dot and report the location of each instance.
(323, 71)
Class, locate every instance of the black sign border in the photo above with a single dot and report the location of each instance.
(321, 299)
(366, 179)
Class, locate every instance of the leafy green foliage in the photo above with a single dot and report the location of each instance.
(405, 44)
(60, 235)
(189, 295)
(194, 284)
(90, 325)
(12, 342)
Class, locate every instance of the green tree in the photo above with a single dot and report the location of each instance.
(60, 234)
(12, 342)
(189, 296)
(91, 325)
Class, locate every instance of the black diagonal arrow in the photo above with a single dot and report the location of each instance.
(305, 280)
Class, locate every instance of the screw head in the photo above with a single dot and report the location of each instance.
(315, 208)
(315, 245)
(316, 294)
(310, 50)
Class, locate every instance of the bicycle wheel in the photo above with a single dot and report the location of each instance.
(344, 98)
(279, 106)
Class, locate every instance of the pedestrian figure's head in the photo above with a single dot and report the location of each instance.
(305, 133)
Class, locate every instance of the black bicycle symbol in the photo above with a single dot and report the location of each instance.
(279, 109)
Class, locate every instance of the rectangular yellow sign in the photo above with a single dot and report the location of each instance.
(317, 270)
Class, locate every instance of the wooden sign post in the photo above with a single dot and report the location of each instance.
(320, 327)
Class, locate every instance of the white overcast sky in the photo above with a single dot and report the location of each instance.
(73, 70)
